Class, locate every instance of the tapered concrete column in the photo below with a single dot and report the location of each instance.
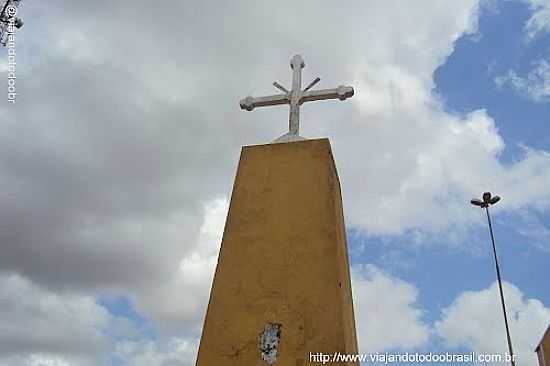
(282, 284)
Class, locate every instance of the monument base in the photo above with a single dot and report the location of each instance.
(281, 290)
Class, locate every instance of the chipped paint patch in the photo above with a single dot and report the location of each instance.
(268, 342)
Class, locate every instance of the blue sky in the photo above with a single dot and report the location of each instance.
(117, 162)
(466, 81)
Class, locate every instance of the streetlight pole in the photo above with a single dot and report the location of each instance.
(485, 203)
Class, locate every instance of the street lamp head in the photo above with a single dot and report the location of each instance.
(487, 200)
(476, 202)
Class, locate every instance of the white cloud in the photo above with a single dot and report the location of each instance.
(539, 22)
(41, 359)
(47, 328)
(475, 320)
(40, 327)
(187, 287)
(172, 352)
(386, 314)
(535, 85)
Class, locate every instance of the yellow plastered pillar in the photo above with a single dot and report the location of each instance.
(281, 289)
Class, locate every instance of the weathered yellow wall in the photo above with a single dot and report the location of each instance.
(283, 260)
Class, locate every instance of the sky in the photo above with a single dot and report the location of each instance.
(118, 158)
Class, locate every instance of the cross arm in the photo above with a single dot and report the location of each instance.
(249, 103)
(342, 93)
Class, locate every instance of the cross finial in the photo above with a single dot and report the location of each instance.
(297, 61)
(295, 98)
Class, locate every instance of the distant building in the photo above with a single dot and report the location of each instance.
(543, 349)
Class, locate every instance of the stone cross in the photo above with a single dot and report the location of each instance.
(296, 97)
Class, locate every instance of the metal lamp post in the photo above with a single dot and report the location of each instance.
(487, 201)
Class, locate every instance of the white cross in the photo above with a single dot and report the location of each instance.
(295, 98)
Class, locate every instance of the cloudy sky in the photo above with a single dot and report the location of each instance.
(118, 158)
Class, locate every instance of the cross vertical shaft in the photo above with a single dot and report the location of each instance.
(297, 64)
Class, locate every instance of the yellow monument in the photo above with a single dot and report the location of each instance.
(281, 293)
